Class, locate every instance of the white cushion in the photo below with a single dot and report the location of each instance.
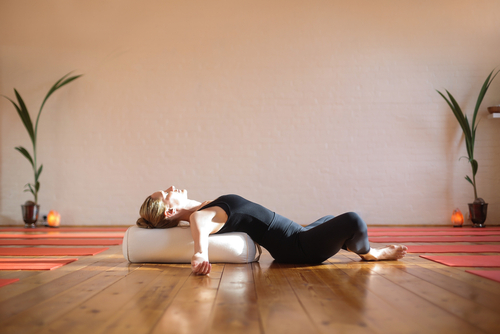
(175, 245)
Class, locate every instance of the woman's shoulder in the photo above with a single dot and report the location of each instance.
(232, 200)
(226, 202)
(227, 198)
(232, 197)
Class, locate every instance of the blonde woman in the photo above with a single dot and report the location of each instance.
(285, 240)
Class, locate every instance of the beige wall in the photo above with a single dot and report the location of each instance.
(308, 107)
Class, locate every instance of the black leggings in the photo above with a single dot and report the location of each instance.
(325, 237)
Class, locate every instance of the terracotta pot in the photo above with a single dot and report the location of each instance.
(478, 212)
(30, 215)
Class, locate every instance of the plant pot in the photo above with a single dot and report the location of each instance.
(30, 215)
(478, 213)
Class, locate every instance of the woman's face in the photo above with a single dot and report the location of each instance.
(174, 199)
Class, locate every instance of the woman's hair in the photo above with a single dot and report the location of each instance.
(152, 214)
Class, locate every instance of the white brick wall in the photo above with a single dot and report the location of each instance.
(310, 108)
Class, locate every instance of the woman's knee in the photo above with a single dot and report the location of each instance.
(356, 222)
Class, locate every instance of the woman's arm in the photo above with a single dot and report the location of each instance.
(203, 223)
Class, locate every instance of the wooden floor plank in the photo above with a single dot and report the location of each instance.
(184, 318)
(235, 309)
(33, 279)
(380, 316)
(330, 313)
(471, 292)
(141, 313)
(190, 311)
(459, 274)
(34, 318)
(411, 305)
(39, 294)
(475, 314)
(21, 274)
(279, 309)
(93, 313)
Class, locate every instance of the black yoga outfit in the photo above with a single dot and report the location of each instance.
(288, 241)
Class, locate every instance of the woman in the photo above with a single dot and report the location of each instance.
(285, 240)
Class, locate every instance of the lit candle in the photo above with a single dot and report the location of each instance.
(457, 218)
(53, 218)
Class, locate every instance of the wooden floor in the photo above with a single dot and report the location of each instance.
(106, 294)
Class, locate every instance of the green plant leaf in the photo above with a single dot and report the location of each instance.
(469, 130)
(23, 113)
(473, 135)
(30, 189)
(52, 90)
(469, 142)
(61, 82)
(444, 97)
(458, 113)
(475, 166)
(26, 154)
(482, 93)
(37, 174)
(25, 117)
(464, 123)
(461, 117)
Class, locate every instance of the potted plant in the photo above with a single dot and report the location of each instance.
(477, 209)
(31, 208)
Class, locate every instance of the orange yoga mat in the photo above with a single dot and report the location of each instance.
(62, 236)
(60, 242)
(435, 239)
(63, 229)
(33, 264)
(418, 229)
(433, 233)
(465, 260)
(491, 274)
(37, 251)
(453, 248)
(7, 281)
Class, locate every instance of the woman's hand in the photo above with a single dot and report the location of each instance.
(202, 225)
(200, 264)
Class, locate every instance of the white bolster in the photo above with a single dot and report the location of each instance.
(175, 245)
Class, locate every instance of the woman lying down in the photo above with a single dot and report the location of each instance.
(286, 240)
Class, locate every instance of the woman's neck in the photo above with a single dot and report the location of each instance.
(190, 207)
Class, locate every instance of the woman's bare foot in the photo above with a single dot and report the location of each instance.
(392, 252)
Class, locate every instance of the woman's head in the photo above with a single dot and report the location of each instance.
(159, 209)
(152, 214)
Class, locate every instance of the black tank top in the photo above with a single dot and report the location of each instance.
(264, 226)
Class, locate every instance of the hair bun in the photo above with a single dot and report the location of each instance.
(141, 222)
